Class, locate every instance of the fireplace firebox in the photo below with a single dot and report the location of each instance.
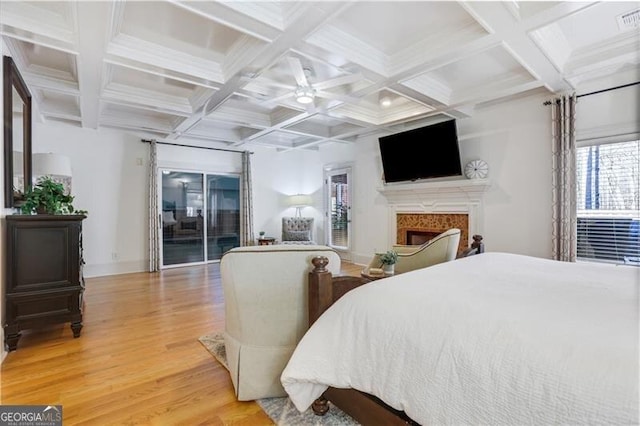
(416, 238)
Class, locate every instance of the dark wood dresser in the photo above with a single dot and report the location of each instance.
(44, 283)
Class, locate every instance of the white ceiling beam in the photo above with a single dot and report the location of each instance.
(225, 14)
(159, 71)
(51, 83)
(92, 32)
(298, 30)
(515, 37)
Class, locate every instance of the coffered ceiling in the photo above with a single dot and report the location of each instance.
(229, 71)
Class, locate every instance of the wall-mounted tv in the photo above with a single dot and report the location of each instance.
(424, 153)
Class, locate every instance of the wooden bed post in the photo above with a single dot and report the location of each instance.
(476, 247)
(320, 288)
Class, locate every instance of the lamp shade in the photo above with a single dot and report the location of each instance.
(50, 164)
(300, 200)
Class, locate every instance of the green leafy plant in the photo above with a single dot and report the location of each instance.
(389, 258)
(48, 197)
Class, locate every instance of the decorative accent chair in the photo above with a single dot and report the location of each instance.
(441, 248)
(297, 230)
(266, 312)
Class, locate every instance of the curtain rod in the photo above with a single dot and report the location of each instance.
(195, 146)
(600, 91)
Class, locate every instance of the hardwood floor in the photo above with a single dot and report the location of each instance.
(138, 360)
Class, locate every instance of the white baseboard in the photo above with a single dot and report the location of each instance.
(116, 268)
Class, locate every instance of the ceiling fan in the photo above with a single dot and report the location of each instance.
(306, 91)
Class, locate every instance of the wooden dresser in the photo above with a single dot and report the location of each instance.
(44, 283)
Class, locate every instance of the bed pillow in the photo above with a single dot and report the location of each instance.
(297, 235)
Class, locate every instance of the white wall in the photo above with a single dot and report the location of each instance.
(108, 182)
(111, 185)
(514, 139)
(278, 175)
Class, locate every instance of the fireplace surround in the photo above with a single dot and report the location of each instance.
(418, 228)
(434, 207)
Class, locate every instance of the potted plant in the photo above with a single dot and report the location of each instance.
(261, 233)
(48, 197)
(388, 260)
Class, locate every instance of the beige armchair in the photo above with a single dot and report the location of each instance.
(297, 230)
(442, 248)
(266, 312)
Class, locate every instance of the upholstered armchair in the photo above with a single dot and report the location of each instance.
(441, 248)
(266, 312)
(297, 230)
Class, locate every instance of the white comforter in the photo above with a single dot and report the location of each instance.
(491, 339)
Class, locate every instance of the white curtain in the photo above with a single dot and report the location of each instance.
(154, 220)
(564, 216)
(246, 215)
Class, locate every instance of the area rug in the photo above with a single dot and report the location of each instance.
(280, 410)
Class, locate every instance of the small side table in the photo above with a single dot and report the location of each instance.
(266, 241)
(365, 274)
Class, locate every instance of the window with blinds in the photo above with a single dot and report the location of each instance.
(608, 199)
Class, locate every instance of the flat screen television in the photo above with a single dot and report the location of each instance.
(424, 153)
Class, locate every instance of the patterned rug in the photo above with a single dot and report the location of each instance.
(280, 410)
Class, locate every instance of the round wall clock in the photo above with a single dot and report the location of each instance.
(476, 169)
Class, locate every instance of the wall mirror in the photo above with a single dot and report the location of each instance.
(17, 134)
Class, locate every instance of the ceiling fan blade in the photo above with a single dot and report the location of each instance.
(338, 81)
(298, 71)
(273, 101)
(337, 97)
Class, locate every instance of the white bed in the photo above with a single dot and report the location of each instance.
(491, 339)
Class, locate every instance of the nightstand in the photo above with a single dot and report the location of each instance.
(266, 241)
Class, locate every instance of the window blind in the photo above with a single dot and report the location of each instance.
(608, 202)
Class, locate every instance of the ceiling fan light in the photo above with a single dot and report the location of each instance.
(385, 101)
(304, 95)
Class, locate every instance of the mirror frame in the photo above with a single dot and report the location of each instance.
(13, 80)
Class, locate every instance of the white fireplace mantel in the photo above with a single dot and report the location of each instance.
(459, 190)
(447, 196)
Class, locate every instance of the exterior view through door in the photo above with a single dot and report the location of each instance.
(339, 207)
(198, 207)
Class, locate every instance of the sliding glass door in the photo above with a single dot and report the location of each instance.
(223, 215)
(198, 207)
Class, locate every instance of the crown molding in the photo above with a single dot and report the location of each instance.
(37, 21)
(122, 93)
(139, 50)
(621, 48)
(239, 116)
(413, 56)
(430, 87)
(332, 39)
(62, 82)
(228, 15)
(240, 54)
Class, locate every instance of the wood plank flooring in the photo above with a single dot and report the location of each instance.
(138, 360)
